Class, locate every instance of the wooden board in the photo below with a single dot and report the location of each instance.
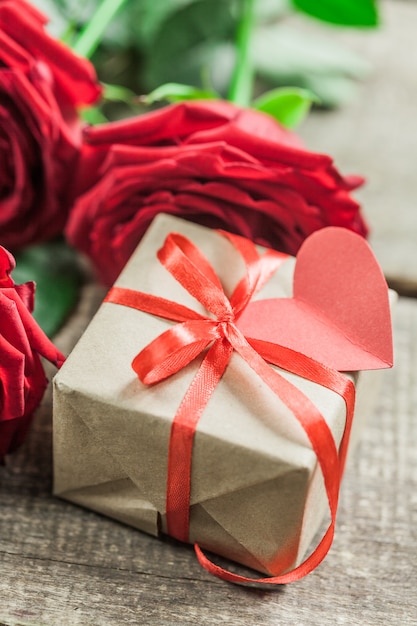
(61, 564)
(375, 135)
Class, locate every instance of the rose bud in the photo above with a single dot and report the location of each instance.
(22, 343)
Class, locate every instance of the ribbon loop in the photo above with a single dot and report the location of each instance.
(174, 350)
(258, 270)
(192, 270)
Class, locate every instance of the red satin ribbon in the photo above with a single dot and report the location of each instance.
(220, 337)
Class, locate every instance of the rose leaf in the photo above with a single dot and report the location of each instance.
(58, 276)
(288, 105)
(176, 92)
(341, 12)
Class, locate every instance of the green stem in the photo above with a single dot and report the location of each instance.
(241, 87)
(91, 34)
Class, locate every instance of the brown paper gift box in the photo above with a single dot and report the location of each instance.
(257, 493)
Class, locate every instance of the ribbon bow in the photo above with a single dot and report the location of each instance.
(218, 336)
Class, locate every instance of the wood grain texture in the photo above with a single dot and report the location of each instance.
(63, 565)
(375, 134)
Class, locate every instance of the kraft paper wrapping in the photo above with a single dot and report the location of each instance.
(257, 494)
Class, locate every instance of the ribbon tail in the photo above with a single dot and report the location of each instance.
(313, 423)
(307, 566)
(323, 445)
(182, 437)
(308, 368)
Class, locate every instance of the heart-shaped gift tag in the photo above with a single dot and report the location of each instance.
(339, 314)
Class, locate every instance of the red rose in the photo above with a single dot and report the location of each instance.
(41, 85)
(212, 163)
(22, 342)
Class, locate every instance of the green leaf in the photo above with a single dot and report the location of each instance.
(341, 12)
(288, 105)
(93, 115)
(56, 271)
(175, 92)
(118, 93)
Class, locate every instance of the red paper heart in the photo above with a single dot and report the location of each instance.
(339, 314)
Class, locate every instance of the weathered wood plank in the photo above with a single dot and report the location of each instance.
(61, 564)
(74, 594)
(375, 135)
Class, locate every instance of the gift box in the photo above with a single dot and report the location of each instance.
(263, 469)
